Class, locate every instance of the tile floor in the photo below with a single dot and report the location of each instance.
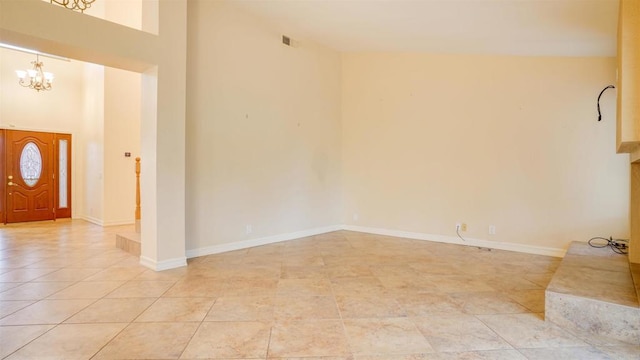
(66, 292)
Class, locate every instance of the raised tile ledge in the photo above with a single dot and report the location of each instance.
(595, 273)
(129, 242)
(593, 289)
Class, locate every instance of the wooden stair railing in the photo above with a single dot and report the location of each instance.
(137, 194)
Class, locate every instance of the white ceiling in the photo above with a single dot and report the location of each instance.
(514, 27)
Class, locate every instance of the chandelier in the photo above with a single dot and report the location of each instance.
(36, 79)
(81, 5)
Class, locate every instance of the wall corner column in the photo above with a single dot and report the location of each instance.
(163, 144)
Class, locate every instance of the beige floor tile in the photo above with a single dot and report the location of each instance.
(401, 271)
(312, 260)
(9, 285)
(459, 283)
(540, 279)
(371, 279)
(369, 306)
(229, 340)
(69, 341)
(34, 290)
(112, 311)
(11, 306)
(116, 273)
(502, 282)
(304, 287)
(303, 272)
(458, 333)
(197, 287)
(13, 338)
(360, 286)
(425, 356)
(621, 352)
(531, 299)
(308, 338)
(177, 310)
(406, 284)
(487, 302)
(428, 303)
(242, 308)
(567, 353)
(87, 290)
(306, 307)
(348, 270)
(467, 355)
(480, 355)
(24, 274)
(530, 331)
(385, 336)
(149, 341)
(70, 274)
(436, 267)
(167, 275)
(138, 289)
(46, 312)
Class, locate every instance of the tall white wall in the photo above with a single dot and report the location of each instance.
(263, 130)
(92, 151)
(121, 134)
(122, 97)
(433, 140)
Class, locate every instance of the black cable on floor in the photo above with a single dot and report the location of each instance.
(618, 246)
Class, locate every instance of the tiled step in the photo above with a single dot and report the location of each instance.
(129, 242)
(593, 290)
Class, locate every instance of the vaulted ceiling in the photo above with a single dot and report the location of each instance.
(513, 27)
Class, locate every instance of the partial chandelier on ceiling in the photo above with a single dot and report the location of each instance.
(80, 5)
(36, 79)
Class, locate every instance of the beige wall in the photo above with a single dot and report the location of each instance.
(121, 134)
(513, 142)
(263, 130)
(92, 144)
(424, 141)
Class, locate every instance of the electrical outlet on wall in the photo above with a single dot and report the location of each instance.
(248, 229)
(461, 227)
(492, 229)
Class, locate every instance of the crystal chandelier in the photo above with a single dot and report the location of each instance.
(36, 79)
(81, 5)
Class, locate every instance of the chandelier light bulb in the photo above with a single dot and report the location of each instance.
(37, 79)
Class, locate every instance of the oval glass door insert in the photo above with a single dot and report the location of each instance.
(30, 164)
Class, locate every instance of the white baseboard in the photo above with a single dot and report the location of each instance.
(216, 249)
(529, 249)
(118, 222)
(106, 223)
(164, 264)
(92, 220)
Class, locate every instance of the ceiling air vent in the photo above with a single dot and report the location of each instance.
(286, 40)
